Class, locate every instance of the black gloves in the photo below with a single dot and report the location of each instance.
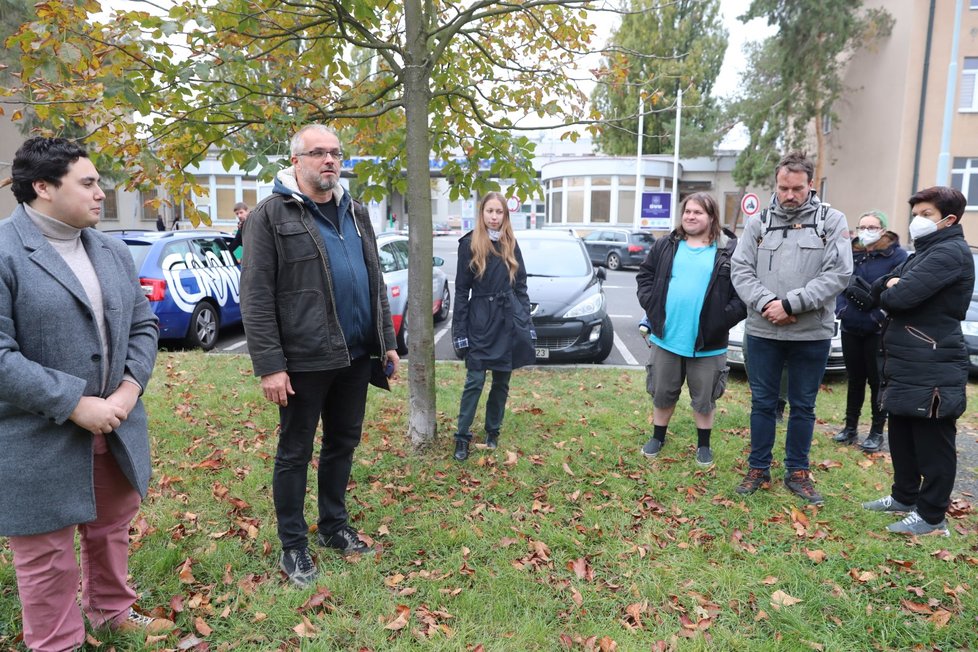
(860, 294)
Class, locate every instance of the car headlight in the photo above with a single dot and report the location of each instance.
(970, 328)
(589, 306)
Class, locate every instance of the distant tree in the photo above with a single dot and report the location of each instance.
(160, 86)
(660, 48)
(794, 79)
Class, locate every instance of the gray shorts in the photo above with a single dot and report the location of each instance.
(705, 377)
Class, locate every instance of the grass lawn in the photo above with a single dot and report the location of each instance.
(565, 538)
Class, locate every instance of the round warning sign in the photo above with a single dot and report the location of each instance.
(750, 204)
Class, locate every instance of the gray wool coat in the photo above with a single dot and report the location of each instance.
(50, 357)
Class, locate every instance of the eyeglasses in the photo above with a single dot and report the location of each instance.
(870, 229)
(320, 154)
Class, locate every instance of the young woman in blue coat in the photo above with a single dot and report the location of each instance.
(875, 253)
(491, 328)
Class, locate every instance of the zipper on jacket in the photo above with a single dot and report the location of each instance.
(921, 335)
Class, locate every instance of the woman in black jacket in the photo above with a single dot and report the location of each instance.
(875, 253)
(924, 370)
(492, 328)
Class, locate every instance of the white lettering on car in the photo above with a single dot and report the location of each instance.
(219, 279)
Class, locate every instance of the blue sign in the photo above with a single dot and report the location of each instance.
(656, 213)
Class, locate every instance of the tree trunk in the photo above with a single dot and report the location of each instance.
(421, 357)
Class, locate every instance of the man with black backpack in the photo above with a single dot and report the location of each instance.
(789, 266)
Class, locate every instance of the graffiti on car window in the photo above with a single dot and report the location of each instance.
(190, 279)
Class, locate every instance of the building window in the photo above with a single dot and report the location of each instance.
(969, 75)
(601, 206)
(964, 177)
(826, 123)
(110, 207)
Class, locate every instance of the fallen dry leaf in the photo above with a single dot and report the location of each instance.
(817, 556)
(400, 621)
(305, 629)
(202, 627)
(781, 599)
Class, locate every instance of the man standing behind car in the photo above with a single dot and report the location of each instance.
(315, 310)
(684, 287)
(789, 266)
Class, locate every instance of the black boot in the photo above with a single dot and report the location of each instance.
(847, 435)
(492, 440)
(461, 450)
(873, 442)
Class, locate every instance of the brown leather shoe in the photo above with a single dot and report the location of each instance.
(137, 622)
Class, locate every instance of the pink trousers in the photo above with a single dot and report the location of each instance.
(47, 572)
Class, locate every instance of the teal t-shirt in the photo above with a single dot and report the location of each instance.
(691, 271)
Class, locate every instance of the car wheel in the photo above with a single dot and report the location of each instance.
(614, 261)
(402, 336)
(606, 341)
(446, 305)
(204, 323)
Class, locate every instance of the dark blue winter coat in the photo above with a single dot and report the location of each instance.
(492, 325)
(869, 265)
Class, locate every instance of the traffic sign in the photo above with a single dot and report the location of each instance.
(513, 204)
(750, 204)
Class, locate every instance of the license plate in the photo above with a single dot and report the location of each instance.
(543, 353)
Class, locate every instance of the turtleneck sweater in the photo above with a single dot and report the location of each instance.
(67, 241)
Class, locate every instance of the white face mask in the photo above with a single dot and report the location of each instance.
(920, 226)
(867, 238)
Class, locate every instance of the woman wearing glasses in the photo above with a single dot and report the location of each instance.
(875, 252)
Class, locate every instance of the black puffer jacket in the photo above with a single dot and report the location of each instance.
(924, 368)
(493, 325)
(722, 308)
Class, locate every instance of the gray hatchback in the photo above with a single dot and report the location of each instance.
(617, 248)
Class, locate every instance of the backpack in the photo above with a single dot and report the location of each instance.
(818, 224)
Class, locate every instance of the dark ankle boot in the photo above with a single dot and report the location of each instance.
(847, 435)
(461, 450)
(492, 440)
(873, 442)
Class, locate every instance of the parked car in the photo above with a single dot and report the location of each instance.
(617, 248)
(735, 349)
(191, 280)
(567, 301)
(970, 326)
(393, 250)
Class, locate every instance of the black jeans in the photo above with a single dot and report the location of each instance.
(338, 397)
(925, 462)
(860, 353)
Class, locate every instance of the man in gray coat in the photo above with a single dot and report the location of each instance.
(790, 265)
(77, 347)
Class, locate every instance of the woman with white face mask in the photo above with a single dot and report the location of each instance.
(875, 253)
(924, 369)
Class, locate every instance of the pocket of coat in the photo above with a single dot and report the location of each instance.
(297, 243)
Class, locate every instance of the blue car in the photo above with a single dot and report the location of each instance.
(191, 279)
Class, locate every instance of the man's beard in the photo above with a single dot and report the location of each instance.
(325, 184)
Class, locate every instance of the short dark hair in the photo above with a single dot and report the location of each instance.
(709, 205)
(42, 159)
(240, 205)
(796, 162)
(949, 201)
